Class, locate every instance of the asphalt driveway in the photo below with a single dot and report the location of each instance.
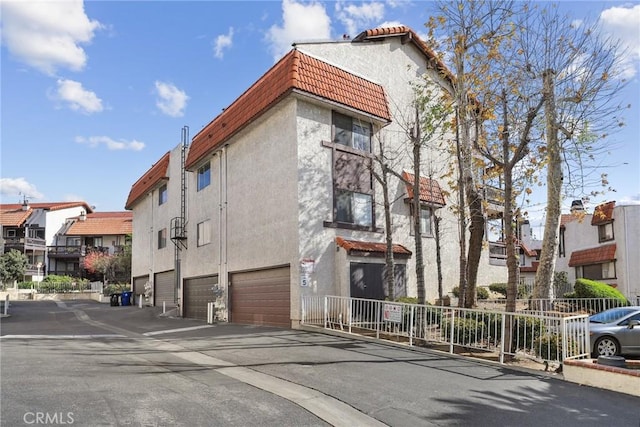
(130, 366)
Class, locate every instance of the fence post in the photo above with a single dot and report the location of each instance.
(411, 325)
(350, 312)
(326, 311)
(378, 317)
(563, 328)
(502, 333)
(451, 333)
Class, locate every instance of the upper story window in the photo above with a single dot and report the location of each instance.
(162, 238)
(204, 233)
(605, 232)
(204, 176)
(73, 241)
(351, 132)
(426, 222)
(162, 195)
(11, 232)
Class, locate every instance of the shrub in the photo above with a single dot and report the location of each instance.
(501, 288)
(585, 288)
(407, 300)
(549, 347)
(27, 285)
(481, 292)
(465, 331)
(116, 288)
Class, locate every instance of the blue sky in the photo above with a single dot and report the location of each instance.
(95, 92)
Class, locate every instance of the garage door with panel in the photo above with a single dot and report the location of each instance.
(164, 289)
(262, 297)
(138, 284)
(197, 294)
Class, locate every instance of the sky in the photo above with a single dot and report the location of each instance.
(93, 93)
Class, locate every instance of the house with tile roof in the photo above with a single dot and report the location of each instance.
(32, 227)
(104, 232)
(275, 198)
(603, 245)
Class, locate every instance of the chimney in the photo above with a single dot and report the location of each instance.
(25, 204)
(83, 215)
(577, 207)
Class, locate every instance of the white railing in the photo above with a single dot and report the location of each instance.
(548, 337)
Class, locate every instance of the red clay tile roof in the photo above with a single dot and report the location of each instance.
(529, 252)
(430, 191)
(603, 213)
(103, 224)
(530, 269)
(47, 206)
(596, 255)
(156, 174)
(294, 72)
(410, 35)
(370, 247)
(14, 217)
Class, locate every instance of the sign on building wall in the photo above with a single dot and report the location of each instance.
(306, 269)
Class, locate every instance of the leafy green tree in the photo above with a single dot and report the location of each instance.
(12, 266)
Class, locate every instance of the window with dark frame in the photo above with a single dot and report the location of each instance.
(204, 233)
(352, 178)
(605, 232)
(600, 271)
(162, 195)
(204, 176)
(162, 238)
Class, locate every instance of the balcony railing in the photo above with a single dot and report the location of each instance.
(75, 251)
(22, 243)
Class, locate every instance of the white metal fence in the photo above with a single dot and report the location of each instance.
(554, 336)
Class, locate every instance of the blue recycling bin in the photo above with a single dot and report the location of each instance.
(126, 298)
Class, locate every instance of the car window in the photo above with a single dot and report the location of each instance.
(612, 315)
(625, 322)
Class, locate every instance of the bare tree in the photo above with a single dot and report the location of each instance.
(473, 31)
(576, 65)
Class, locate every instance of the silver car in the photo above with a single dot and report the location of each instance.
(615, 332)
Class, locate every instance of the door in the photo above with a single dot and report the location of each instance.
(164, 289)
(262, 297)
(198, 293)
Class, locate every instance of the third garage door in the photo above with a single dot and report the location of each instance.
(262, 297)
(197, 294)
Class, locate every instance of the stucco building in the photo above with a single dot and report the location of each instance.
(276, 197)
(603, 246)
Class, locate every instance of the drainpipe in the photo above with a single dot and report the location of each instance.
(223, 279)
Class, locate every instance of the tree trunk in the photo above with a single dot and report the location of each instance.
(462, 219)
(436, 226)
(416, 212)
(476, 237)
(544, 276)
(389, 272)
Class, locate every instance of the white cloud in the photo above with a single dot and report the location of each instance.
(110, 143)
(78, 98)
(624, 23)
(359, 18)
(222, 42)
(300, 21)
(171, 100)
(19, 186)
(47, 34)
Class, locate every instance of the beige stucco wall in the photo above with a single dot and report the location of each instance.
(396, 66)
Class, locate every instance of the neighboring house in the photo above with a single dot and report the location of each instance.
(275, 198)
(104, 232)
(603, 246)
(31, 227)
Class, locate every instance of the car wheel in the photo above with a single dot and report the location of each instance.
(607, 346)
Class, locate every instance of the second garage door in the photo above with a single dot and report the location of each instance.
(262, 297)
(164, 289)
(197, 294)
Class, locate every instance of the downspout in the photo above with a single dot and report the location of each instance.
(223, 275)
(627, 278)
(151, 258)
